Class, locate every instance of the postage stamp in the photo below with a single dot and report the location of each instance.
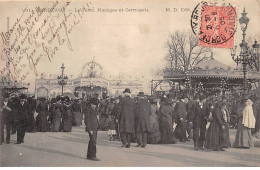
(214, 24)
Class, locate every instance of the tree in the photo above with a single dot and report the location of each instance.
(185, 52)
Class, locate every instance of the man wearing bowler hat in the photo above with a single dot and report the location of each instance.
(127, 118)
(91, 123)
(180, 110)
(21, 107)
(142, 124)
(199, 122)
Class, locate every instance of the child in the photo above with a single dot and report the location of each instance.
(112, 128)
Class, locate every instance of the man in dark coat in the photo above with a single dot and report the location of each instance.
(199, 122)
(21, 107)
(91, 122)
(142, 122)
(127, 118)
(181, 113)
(31, 110)
(189, 108)
(6, 119)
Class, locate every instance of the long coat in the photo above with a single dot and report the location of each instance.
(31, 110)
(214, 136)
(77, 114)
(67, 118)
(41, 119)
(127, 117)
(226, 140)
(142, 112)
(57, 110)
(21, 111)
(189, 109)
(91, 120)
(166, 117)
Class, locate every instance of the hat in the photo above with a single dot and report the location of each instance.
(62, 98)
(127, 90)
(23, 96)
(42, 99)
(104, 95)
(58, 98)
(94, 101)
(141, 94)
(196, 97)
(202, 97)
(166, 100)
(53, 100)
(67, 99)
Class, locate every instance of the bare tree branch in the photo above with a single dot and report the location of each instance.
(185, 51)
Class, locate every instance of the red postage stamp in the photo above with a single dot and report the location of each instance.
(217, 25)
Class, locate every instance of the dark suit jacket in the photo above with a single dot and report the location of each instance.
(21, 111)
(180, 110)
(199, 115)
(91, 120)
(189, 109)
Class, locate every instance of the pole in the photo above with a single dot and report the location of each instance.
(245, 73)
(152, 87)
(244, 59)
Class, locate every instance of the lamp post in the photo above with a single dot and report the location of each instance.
(247, 56)
(223, 86)
(62, 78)
(200, 87)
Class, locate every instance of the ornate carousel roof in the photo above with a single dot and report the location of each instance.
(211, 69)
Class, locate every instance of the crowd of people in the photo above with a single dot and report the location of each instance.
(20, 114)
(203, 119)
(143, 119)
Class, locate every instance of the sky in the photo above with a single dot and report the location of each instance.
(130, 43)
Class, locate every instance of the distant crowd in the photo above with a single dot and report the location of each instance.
(144, 119)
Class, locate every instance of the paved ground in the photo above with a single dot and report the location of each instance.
(69, 149)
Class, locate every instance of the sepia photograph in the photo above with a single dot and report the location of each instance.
(130, 83)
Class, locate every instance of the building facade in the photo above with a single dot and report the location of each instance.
(91, 81)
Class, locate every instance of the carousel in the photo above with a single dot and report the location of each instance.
(92, 82)
(8, 87)
(208, 77)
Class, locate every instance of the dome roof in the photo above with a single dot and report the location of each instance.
(92, 70)
(213, 64)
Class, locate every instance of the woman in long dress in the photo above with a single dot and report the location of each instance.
(214, 133)
(155, 135)
(166, 122)
(246, 121)
(77, 114)
(57, 110)
(226, 119)
(67, 116)
(41, 119)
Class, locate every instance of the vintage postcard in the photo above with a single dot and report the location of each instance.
(130, 83)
